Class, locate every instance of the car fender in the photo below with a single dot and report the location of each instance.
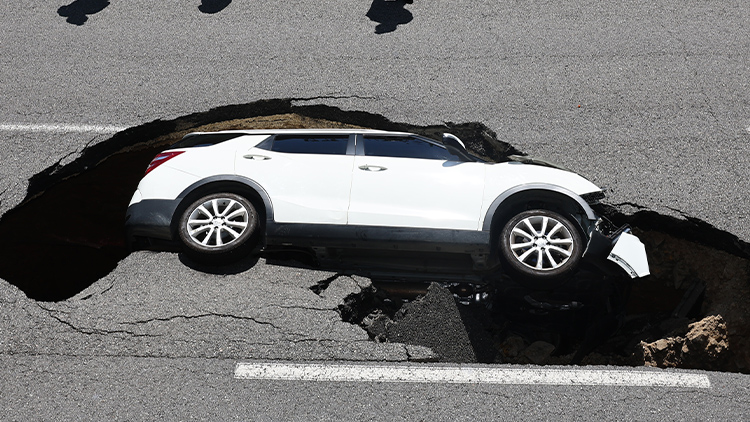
(500, 199)
(233, 178)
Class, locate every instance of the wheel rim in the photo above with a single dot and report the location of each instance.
(542, 243)
(218, 222)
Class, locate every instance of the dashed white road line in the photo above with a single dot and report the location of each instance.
(61, 128)
(462, 374)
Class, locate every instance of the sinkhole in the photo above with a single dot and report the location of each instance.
(68, 231)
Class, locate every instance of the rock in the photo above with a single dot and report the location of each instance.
(704, 346)
(512, 346)
(707, 339)
(538, 352)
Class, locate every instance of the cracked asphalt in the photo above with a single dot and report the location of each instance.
(154, 306)
(649, 100)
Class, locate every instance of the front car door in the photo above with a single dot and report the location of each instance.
(409, 181)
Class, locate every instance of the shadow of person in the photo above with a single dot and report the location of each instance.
(389, 15)
(213, 6)
(78, 11)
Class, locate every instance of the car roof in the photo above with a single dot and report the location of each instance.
(305, 131)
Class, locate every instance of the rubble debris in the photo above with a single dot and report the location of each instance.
(437, 321)
(538, 352)
(705, 345)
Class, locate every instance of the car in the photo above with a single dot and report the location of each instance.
(401, 197)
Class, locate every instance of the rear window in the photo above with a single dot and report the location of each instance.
(204, 139)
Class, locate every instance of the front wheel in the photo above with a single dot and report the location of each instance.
(541, 245)
(218, 226)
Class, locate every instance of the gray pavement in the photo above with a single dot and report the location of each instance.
(649, 100)
(128, 388)
(152, 305)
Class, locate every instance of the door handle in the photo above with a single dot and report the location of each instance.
(368, 167)
(256, 157)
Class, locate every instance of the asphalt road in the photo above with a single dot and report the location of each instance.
(649, 100)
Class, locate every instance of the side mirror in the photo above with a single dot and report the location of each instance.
(456, 147)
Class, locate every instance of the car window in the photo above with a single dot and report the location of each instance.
(318, 144)
(407, 147)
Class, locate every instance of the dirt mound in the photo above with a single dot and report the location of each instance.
(704, 346)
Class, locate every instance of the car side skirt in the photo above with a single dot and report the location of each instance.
(376, 237)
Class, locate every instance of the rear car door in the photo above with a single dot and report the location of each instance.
(307, 176)
(409, 181)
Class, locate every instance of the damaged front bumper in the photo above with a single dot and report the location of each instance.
(620, 247)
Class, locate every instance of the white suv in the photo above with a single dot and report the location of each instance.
(222, 195)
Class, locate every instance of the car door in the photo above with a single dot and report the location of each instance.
(307, 176)
(409, 181)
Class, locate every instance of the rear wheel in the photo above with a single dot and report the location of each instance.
(541, 245)
(218, 227)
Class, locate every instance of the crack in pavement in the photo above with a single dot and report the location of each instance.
(332, 97)
(631, 204)
(321, 286)
(210, 314)
(89, 296)
(96, 331)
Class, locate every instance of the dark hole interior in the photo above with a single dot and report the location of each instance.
(60, 242)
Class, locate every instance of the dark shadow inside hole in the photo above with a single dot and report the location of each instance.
(60, 242)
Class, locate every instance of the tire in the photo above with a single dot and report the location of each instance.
(541, 245)
(219, 227)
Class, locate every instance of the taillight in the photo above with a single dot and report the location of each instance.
(161, 159)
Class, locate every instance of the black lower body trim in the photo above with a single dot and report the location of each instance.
(376, 237)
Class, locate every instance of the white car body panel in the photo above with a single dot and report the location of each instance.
(319, 188)
(630, 254)
(170, 179)
(408, 192)
(164, 182)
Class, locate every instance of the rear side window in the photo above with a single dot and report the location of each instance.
(204, 139)
(302, 144)
(406, 147)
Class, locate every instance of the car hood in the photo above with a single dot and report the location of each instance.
(516, 173)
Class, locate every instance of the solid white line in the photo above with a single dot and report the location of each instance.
(61, 128)
(468, 375)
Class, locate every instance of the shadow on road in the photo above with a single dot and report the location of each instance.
(213, 6)
(78, 11)
(389, 15)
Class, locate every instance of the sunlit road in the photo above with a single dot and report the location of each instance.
(649, 100)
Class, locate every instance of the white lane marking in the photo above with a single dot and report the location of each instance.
(468, 375)
(61, 128)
